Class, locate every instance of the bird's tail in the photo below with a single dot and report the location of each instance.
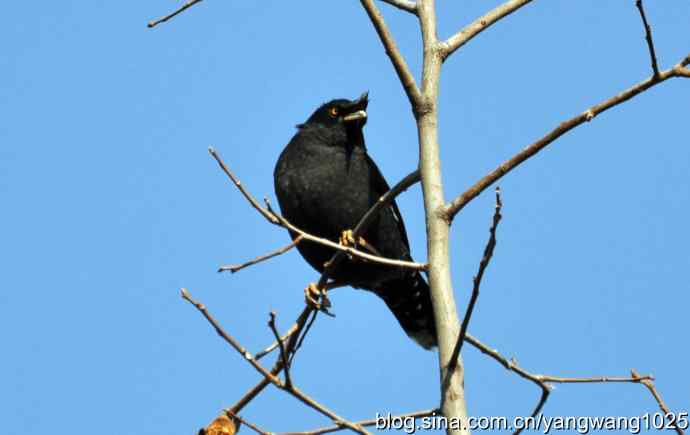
(409, 299)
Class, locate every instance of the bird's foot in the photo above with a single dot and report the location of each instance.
(316, 298)
(347, 239)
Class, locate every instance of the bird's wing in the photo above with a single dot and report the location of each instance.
(380, 186)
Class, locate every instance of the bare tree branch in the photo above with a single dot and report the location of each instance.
(461, 201)
(237, 267)
(486, 259)
(299, 342)
(281, 346)
(291, 389)
(250, 425)
(543, 381)
(479, 25)
(279, 220)
(405, 5)
(231, 341)
(401, 68)
(265, 213)
(648, 37)
(364, 423)
(453, 402)
(655, 393)
(182, 8)
(278, 366)
(273, 346)
(351, 251)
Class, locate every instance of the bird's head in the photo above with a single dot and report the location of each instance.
(347, 114)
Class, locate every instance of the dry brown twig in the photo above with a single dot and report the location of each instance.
(281, 347)
(250, 425)
(174, 13)
(543, 381)
(295, 339)
(479, 25)
(405, 5)
(279, 220)
(347, 249)
(648, 38)
(477, 281)
(364, 423)
(273, 346)
(269, 376)
(399, 64)
(278, 366)
(237, 267)
(679, 70)
(648, 382)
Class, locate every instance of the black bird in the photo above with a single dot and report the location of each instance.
(325, 182)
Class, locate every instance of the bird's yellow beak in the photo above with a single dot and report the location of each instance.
(360, 114)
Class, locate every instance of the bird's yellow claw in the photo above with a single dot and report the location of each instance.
(312, 294)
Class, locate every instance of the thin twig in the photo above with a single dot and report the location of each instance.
(281, 346)
(477, 281)
(401, 68)
(479, 25)
(365, 423)
(250, 425)
(182, 8)
(234, 343)
(405, 5)
(237, 267)
(462, 200)
(543, 381)
(648, 37)
(655, 393)
(272, 378)
(347, 249)
(273, 346)
(304, 335)
(279, 220)
(269, 216)
(277, 367)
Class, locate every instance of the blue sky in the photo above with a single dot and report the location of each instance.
(111, 203)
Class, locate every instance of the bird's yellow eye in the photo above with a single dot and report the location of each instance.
(333, 112)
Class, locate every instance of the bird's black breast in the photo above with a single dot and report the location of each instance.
(324, 190)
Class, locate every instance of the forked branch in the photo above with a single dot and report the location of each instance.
(279, 220)
(477, 282)
(405, 5)
(544, 381)
(479, 25)
(679, 70)
(401, 68)
(270, 376)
